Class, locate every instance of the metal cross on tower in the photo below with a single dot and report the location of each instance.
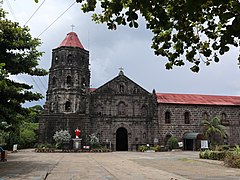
(72, 27)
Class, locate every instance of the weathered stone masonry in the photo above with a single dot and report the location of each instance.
(120, 111)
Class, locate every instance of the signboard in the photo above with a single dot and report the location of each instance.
(204, 144)
(180, 144)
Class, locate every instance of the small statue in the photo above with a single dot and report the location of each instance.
(77, 133)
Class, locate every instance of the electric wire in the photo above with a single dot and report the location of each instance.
(14, 16)
(56, 19)
(37, 85)
(41, 82)
(34, 12)
(11, 10)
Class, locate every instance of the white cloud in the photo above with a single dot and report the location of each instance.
(127, 48)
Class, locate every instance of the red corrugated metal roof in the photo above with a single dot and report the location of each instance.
(92, 89)
(72, 41)
(197, 99)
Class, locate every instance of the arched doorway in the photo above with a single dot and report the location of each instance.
(122, 139)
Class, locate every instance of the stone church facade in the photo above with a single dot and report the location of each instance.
(123, 113)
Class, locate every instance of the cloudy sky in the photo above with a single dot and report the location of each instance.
(110, 50)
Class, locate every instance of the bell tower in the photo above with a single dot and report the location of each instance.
(69, 77)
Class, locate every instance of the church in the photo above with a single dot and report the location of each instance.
(123, 113)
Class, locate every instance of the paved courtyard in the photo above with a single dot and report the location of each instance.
(27, 164)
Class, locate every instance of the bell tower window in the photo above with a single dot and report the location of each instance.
(67, 106)
(69, 80)
(69, 58)
(83, 82)
(54, 81)
(51, 106)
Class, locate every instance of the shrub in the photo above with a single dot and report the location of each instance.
(172, 143)
(142, 148)
(157, 148)
(221, 147)
(61, 136)
(236, 149)
(232, 160)
(213, 155)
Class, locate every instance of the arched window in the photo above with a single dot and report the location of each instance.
(69, 80)
(144, 135)
(205, 116)
(69, 58)
(99, 110)
(121, 108)
(167, 117)
(54, 81)
(67, 106)
(144, 110)
(224, 120)
(187, 118)
(51, 106)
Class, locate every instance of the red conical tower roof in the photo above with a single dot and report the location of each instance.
(72, 41)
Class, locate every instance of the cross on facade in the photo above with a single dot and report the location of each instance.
(121, 68)
(72, 27)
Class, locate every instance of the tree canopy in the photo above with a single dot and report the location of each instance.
(214, 128)
(18, 55)
(193, 31)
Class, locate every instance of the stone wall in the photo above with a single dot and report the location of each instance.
(177, 127)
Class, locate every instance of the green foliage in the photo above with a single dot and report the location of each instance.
(213, 155)
(3, 137)
(199, 31)
(222, 147)
(45, 148)
(142, 148)
(232, 160)
(61, 136)
(236, 149)
(33, 112)
(214, 128)
(172, 143)
(18, 55)
(28, 135)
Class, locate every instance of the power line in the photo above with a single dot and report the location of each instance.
(11, 10)
(34, 12)
(42, 83)
(37, 85)
(56, 19)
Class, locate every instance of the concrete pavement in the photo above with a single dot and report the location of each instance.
(113, 166)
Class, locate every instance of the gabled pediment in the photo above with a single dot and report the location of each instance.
(120, 85)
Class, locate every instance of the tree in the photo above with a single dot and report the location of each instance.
(18, 55)
(192, 31)
(214, 128)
